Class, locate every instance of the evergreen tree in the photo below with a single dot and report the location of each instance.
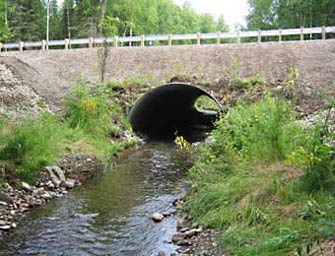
(55, 21)
(5, 33)
(27, 19)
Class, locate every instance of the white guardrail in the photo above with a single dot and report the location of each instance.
(141, 40)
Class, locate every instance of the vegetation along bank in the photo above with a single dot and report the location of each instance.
(265, 178)
(43, 154)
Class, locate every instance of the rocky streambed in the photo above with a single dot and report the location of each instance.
(18, 198)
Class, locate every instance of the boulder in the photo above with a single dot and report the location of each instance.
(157, 217)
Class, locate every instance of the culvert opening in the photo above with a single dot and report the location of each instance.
(174, 109)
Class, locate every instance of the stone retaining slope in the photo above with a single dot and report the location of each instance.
(52, 73)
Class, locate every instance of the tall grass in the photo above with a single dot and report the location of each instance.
(266, 181)
(86, 111)
(32, 144)
(258, 132)
(91, 118)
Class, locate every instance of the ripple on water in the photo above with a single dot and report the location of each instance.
(111, 215)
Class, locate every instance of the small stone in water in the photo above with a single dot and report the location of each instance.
(6, 227)
(157, 217)
(178, 237)
(69, 183)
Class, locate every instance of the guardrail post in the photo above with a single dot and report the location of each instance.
(43, 43)
(170, 40)
(1, 47)
(90, 42)
(116, 41)
(259, 36)
(238, 37)
(302, 34)
(323, 32)
(66, 43)
(21, 45)
(218, 38)
(142, 40)
(198, 39)
(280, 35)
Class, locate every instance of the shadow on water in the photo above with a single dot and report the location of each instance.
(110, 215)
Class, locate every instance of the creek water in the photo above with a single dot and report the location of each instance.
(111, 214)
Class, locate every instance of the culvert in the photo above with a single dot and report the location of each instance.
(169, 110)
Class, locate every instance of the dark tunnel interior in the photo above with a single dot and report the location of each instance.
(169, 110)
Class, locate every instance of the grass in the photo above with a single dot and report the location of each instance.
(266, 181)
(94, 122)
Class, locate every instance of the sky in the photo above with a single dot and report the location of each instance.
(234, 11)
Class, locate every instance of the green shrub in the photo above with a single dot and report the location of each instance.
(320, 155)
(259, 131)
(266, 180)
(32, 144)
(88, 112)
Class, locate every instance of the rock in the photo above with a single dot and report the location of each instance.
(183, 250)
(56, 175)
(69, 183)
(191, 233)
(23, 209)
(6, 198)
(176, 238)
(82, 165)
(184, 243)
(161, 254)
(3, 203)
(58, 171)
(46, 195)
(51, 185)
(14, 225)
(183, 230)
(6, 227)
(3, 223)
(26, 186)
(157, 217)
(181, 223)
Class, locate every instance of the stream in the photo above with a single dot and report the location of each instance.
(110, 215)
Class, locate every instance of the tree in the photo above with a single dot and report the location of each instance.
(189, 20)
(207, 23)
(267, 14)
(27, 19)
(5, 33)
(221, 25)
(55, 21)
(262, 14)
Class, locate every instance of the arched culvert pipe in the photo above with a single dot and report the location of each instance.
(169, 110)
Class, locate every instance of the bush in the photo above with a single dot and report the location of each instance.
(91, 113)
(320, 155)
(259, 131)
(33, 144)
